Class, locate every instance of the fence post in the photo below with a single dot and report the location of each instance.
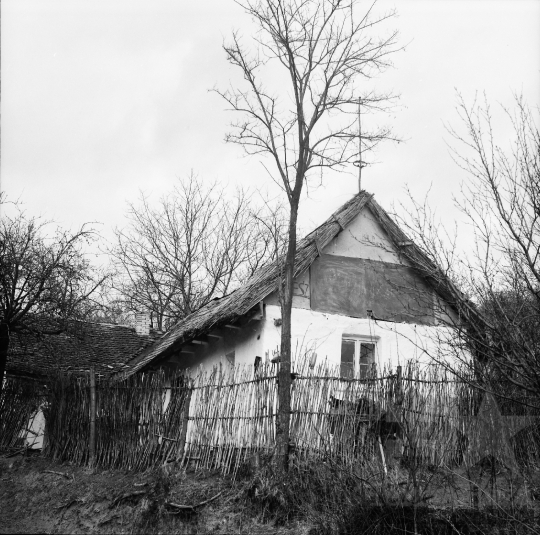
(393, 446)
(399, 386)
(181, 453)
(92, 442)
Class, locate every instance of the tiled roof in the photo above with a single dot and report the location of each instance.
(82, 345)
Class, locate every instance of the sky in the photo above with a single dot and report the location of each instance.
(104, 99)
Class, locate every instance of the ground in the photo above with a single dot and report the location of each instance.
(40, 496)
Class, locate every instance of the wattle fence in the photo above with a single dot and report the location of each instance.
(19, 405)
(222, 418)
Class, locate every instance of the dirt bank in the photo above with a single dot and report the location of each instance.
(39, 496)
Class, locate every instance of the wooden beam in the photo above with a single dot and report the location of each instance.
(185, 351)
(215, 336)
(339, 221)
(199, 342)
(233, 327)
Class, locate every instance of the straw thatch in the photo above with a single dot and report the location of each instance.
(239, 303)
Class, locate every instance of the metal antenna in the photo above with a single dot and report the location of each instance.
(359, 163)
(359, 149)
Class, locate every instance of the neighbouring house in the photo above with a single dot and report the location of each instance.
(364, 296)
(76, 348)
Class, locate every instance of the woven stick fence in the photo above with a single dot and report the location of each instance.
(232, 415)
(138, 422)
(223, 417)
(19, 404)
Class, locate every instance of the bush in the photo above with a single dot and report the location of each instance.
(341, 499)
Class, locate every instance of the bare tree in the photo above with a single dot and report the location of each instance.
(323, 49)
(198, 243)
(45, 280)
(501, 278)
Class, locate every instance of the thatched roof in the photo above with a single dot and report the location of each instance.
(235, 305)
(78, 347)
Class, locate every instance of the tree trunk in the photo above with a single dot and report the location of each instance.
(4, 348)
(284, 375)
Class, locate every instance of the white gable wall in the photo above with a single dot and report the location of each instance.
(363, 238)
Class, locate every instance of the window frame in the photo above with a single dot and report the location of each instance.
(358, 341)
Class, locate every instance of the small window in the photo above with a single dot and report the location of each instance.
(357, 358)
(347, 358)
(229, 357)
(367, 358)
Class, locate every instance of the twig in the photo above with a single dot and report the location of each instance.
(165, 438)
(193, 507)
(15, 453)
(126, 496)
(63, 474)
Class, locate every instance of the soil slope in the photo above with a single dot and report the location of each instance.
(39, 496)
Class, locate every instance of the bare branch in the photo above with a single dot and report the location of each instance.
(197, 244)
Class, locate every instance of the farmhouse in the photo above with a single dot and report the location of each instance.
(365, 296)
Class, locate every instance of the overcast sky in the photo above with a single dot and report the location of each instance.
(102, 99)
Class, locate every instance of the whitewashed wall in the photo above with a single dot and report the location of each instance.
(322, 333)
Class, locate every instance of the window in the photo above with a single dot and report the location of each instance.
(367, 358)
(357, 357)
(348, 348)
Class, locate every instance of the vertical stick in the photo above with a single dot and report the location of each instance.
(92, 443)
(383, 458)
(185, 421)
(475, 501)
(399, 386)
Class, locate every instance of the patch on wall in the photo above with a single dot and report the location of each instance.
(301, 288)
(352, 286)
